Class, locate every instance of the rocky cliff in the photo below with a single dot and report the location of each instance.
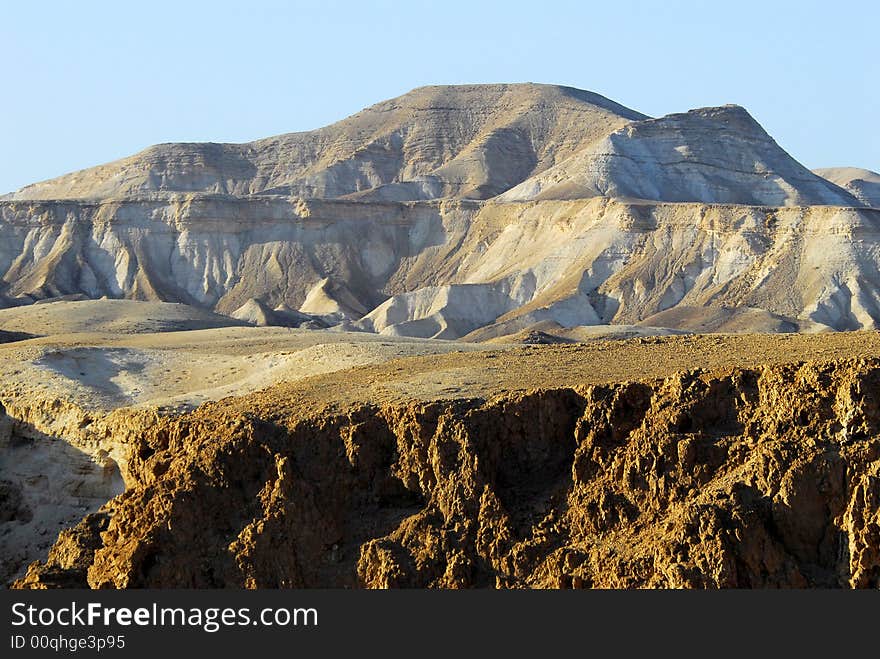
(764, 477)
(58, 463)
(447, 268)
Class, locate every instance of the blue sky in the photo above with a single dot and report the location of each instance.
(87, 82)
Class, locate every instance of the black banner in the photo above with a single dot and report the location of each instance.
(417, 622)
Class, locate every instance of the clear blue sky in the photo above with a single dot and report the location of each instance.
(86, 82)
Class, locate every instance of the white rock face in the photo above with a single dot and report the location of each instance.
(475, 211)
(711, 155)
(456, 266)
(441, 312)
(210, 252)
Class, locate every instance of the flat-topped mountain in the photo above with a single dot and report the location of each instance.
(478, 141)
(471, 141)
(478, 211)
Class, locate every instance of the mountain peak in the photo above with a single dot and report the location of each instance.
(522, 91)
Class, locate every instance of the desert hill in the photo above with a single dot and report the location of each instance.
(450, 210)
(472, 141)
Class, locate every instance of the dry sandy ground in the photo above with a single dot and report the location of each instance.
(179, 370)
(105, 354)
(123, 361)
(116, 316)
(488, 373)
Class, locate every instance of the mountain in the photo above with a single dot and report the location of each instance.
(863, 184)
(471, 141)
(476, 211)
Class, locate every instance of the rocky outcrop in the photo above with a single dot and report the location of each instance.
(59, 462)
(710, 155)
(747, 478)
(70, 557)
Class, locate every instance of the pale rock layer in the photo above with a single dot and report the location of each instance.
(444, 269)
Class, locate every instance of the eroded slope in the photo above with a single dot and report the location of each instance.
(445, 269)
